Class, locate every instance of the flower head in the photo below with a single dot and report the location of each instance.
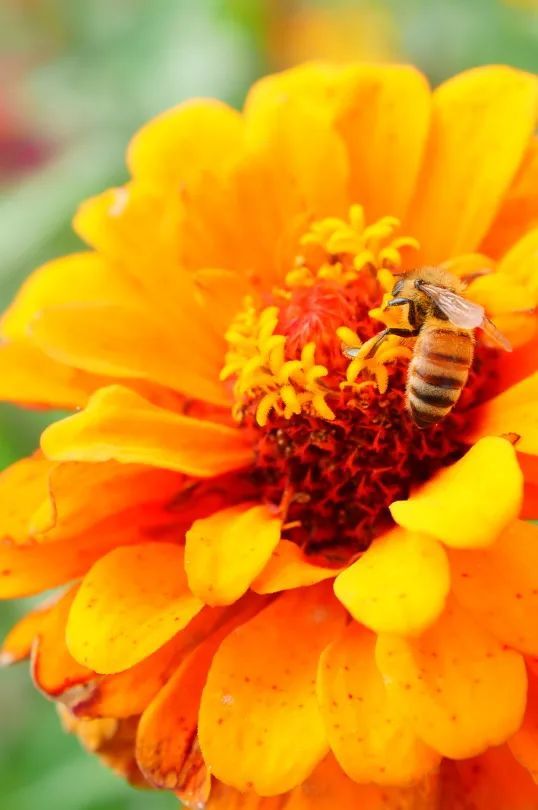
(280, 592)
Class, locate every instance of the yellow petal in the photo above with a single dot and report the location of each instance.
(227, 550)
(521, 262)
(119, 424)
(80, 277)
(468, 504)
(29, 377)
(482, 123)
(518, 213)
(184, 141)
(499, 293)
(385, 144)
(129, 604)
(382, 591)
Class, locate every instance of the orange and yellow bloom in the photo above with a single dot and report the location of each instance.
(278, 591)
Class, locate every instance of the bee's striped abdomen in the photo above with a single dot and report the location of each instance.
(438, 371)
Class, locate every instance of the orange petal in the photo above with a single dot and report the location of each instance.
(17, 645)
(519, 210)
(175, 147)
(468, 504)
(519, 364)
(131, 602)
(288, 568)
(168, 726)
(380, 588)
(54, 670)
(370, 738)
(529, 467)
(263, 680)
(44, 500)
(448, 680)
(222, 293)
(119, 342)
(119, 424)
(500, 586)
(27, 570)
(524, 743)
(328, 788)
(482, 122)
(227, 550)
(85, 278)
(384, 143)
(492, 781)
(223, 797)
(529, 510)
(513, 411)
(115, 488)
(23, 488)
(29, 377)
(128, 693)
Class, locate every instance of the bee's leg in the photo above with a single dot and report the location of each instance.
(412, 312)
(379, 340)
(390, 330)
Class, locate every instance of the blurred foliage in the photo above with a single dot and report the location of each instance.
(78, 78)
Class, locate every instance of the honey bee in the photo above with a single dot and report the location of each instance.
(443, 323)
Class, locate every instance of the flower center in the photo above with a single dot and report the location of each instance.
(335, 444)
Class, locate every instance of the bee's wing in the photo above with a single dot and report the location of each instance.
(493, 333)
(464, 313)
(350, 351)
(458, 310)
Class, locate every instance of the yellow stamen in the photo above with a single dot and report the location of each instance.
(350, 247)
(257, 358)
(389, 350)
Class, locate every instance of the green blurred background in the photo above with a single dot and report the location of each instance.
(77, 79)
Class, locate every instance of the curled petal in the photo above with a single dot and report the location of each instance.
(54, 670)
(119, 424)
(18, 643)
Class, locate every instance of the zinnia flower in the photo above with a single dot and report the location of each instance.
(279, 591)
